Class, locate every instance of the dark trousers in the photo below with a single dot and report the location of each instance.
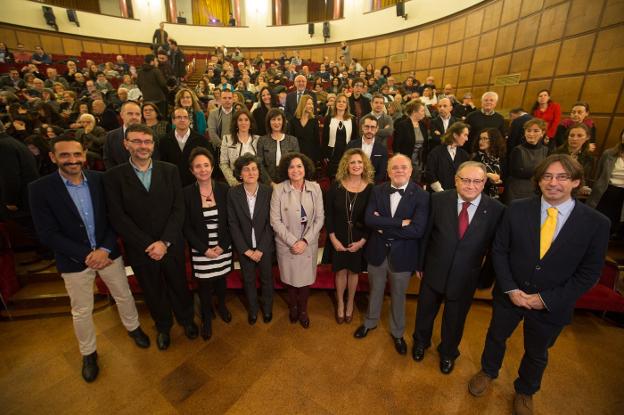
(611, 206)
(539, 336)
(205, 288)
(164, 288)
(298, 298)
(453, 320)
(248, 270)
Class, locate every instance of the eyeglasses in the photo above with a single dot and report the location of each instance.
(476, 182)
(547, 177)
(369, 127)
(141, 142)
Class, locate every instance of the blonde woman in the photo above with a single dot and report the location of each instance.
(339, 129)
(305, 127)
(187, 99)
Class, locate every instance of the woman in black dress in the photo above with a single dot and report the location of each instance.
(305, 127)
(339, 129)
(346, 203)
(264, 104)
(490, 150)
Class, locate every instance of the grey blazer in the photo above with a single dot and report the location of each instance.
(230, 152)
(267, 149)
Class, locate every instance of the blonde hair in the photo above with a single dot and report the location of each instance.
(347, 114)
(368, 172)
(301, 106)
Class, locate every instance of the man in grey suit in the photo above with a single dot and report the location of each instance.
(248, 217)
(219, 119)
(385, 125)
(461, 227)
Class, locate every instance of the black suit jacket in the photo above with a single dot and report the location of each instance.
(453, 266)
(142, 217)
(400, 244)
(291, 101)
(404, 139)
(436, 127)
(195, 230)
(379, 158)
(571, 266)
(516, 132)
(60, 226)
(169, 151)
(441, 167)
(114, 151)
(241, 222)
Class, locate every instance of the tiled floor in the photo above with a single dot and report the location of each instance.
(281, 368)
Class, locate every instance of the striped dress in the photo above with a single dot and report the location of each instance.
(204, 267)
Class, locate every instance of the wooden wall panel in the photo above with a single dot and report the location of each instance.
(482, 72)
(379, 62)
(609, 50)
(552, 23)
(423, 59)
(382, 47)
(530, 6)
(602, 91)
(437, 74)
(527, 32)
(92, 46)
(500, 66)
(52, 44)
(72, 46)
(602, 124)
(474, 22)
(438, 56)
(466, 74)
(575, 54)
(583, 16)
(544, 60)
(457, 29)
(411, 42)
(521, 63)
(492, 16)
(110, 48)
(396, 45)
(28, 39)
(316, 54)
(425, 38)
(487, 45)
(8, 37)
(132, 50)
(513, 96)
(613, 138)
(440, 34)
(505, 38)
(368, 51)
(143, 50)
(511, 11)
(451, 74)
(471, 46)
(331, 52)
(614, 13)
(356, 51)
(566, 91)
(453, 53)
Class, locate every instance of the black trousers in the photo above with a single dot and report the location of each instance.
(205, 288)
(611, 206)
(453, 320)
(164, 288)
(248, 271)
(539, 336)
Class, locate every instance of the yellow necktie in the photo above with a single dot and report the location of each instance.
(547, 232)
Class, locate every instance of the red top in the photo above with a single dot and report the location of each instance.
(552, 116)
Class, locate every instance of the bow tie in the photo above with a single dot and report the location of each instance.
(394, 189)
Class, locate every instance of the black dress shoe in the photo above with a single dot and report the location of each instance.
(362, 331)
(400, 345)
(163, 340)
(206, 329)
(304, 320)
(418, 352)
(252, 318)
(267, 317)
(90, 367)
(225, 315)
(447, 365)
(191, 331)
(140, 338)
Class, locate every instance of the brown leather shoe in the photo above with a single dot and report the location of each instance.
(523, 404)
(479, 383)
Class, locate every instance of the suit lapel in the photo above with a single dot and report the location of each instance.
(132, 179)
(567, 231)
(63, 193)
(386, 200)
(533, 221)
(478, 218)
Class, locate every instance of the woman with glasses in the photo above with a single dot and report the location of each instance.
(152, 118)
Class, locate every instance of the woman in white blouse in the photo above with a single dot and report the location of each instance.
(241, 140)
(338, 130)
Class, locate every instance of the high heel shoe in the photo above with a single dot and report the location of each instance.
(304, 320)
(339, 319)
(348, 317)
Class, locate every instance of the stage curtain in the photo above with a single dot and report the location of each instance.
(92, 6)
(204, 10)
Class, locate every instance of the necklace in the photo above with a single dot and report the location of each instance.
(209, 197)
(349, 204)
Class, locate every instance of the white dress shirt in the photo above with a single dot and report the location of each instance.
(395, 198)
(182, 139)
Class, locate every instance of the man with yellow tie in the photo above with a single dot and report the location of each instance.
(548, 251)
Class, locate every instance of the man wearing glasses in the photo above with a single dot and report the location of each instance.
(462, 224)
(548, 251)
(146, 208)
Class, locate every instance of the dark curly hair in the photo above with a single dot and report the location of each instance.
(308, 166)
(498, 147)
(245, 160)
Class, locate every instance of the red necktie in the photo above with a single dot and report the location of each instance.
(463, 219)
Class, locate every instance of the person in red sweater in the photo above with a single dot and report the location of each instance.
(549, 111)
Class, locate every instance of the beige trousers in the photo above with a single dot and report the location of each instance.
(79, 286)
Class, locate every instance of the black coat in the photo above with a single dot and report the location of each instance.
(17, 169)
(436, 127)
(441, 167)
(459, 273)
(142, 217)
(169, 151)
(152, 84)
(195, 230)
(403, 140)
(241, 222)
(291, 102)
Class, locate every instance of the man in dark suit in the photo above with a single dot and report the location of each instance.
(147, 209)
(377, 153)
(397, 215)
(248, 216)
(115, 153)
(13, 81)
(359, 105)
(69, 213)
(461, 227)
(516, 128)
(441, 123)
(385, 124)
(292, 99)
(548, 252)
(176, 146)
(160, 38)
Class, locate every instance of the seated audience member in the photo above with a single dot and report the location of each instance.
(385, 125)
(518, 117)
(411, 138)
(176, 147)
(5, 55)
(120, 65)
(249, 207)
(395, 110)
(13, 81)
(115, 151)
(262, 107)
(491, 152)
(577, 146)
(305, 126)
(102, 84)
(69, 108)
(441, 123)
(152, 118)
(297, 216)
(40, 148)
(374, 150)
(105, 117)
(92, 138)
(206, 231)
(486, 117)
(578, 114)
(109, 71)
(53, 76)
(607, 194)
(20, 55)
(523, 160)
(241, 140)
(428, 97)
(345, 205)
(186, 98)
(444, 160)
(338, 131)
(40, 57)
(84, 244)
(548, 110)
(463, 108)
(275, 145)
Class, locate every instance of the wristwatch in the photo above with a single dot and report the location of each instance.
(167, 243)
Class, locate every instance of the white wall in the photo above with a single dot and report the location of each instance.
(257, 34)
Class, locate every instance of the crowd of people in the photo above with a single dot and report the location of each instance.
(260, 156)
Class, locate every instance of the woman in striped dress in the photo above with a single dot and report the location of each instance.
(206, 231)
